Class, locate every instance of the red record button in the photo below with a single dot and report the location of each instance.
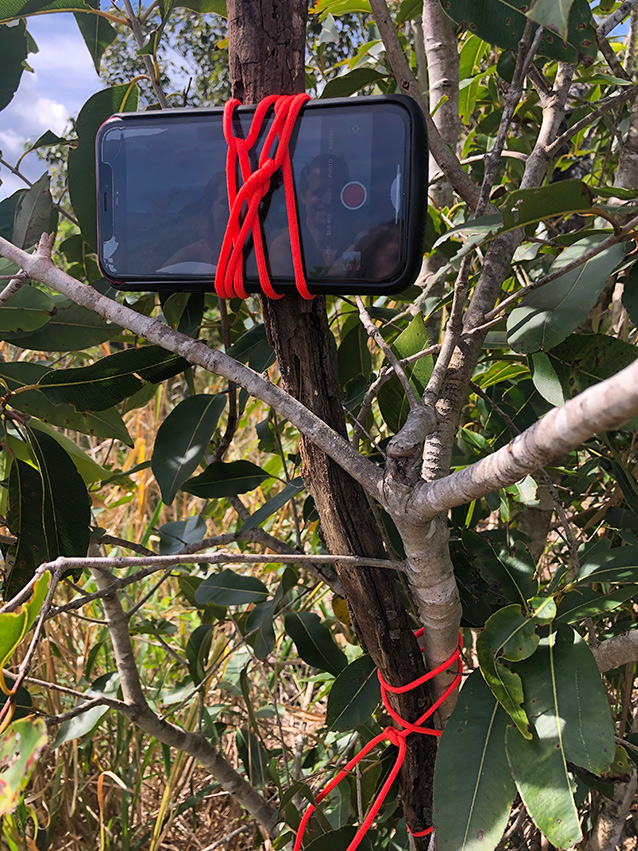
(353, 195)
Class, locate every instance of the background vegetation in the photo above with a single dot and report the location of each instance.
(202, 700)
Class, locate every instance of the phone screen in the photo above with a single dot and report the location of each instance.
(163, 208)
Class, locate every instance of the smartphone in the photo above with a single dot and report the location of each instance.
(360, 176)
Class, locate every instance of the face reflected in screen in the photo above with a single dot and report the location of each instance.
(170, 205)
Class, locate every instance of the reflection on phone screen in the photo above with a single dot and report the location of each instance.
(170, 204)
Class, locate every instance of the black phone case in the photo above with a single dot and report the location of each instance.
(416, 189)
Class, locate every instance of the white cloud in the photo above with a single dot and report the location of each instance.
(63, 79)
(11, 144)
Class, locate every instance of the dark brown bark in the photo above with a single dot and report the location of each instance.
(266, 47)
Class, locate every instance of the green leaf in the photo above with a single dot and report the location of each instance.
(24, 512)
(409, 10)
(7, 215)
(226, 478)
(11, 9)
(218, 7)
(512, 570)
(86, 466)
(260, 623)
(353, 81)
(567, 705)
(502, 23)
(93, 114)
(474, 817)
(254, 757)
(542, 779)
(618, 564)
(353, 355)
(292, 489)
(20, 746)
(110, 380)
(231, 589)
(14, 49)
(254, 349)
(586, 603)
(107, 423)
(26, 310)
(47, 140)
(338, 840)
(182, 440)
(15, 625)
(49, 511)
(33, 213)
(562, 680)
(197, 650)
(549, 314)
(188, 585)
(70, 329)
(177, 534)
(105, 685)
(97, 33)
(522, 208)
(340, 7)
(553, 14)
(354, 695)
(509, 635)
(629, 293)
(314, 642)
(150, 46)
(581, 361)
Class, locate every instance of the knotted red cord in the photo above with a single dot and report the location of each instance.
(229, 274)
(395, 737)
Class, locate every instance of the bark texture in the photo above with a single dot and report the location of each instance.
(266, 56)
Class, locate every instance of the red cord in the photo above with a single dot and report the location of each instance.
(397, 738)
(229, 274)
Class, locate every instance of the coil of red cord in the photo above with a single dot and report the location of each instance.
(244, 202)
(396, 737)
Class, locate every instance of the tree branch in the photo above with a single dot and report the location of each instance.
(39, 267)
(409, 85)
(606, 406)
(616, 651)
(140, 713)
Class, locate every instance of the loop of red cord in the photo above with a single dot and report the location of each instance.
(229, 274)
(395, 737)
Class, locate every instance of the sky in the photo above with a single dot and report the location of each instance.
(64, 78)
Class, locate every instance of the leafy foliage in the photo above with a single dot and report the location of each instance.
(115, 446)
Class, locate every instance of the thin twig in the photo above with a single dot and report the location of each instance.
(226, 840)
(604, 107)
(12, 287)
(375, 334)
(232, 418)
(136, 28)
(52, 720)
(512, 99)
(25, 665)
(453, 332)
(161, 562)
(615, 18)
(623, 233)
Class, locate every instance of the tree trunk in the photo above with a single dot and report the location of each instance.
(266, 46)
